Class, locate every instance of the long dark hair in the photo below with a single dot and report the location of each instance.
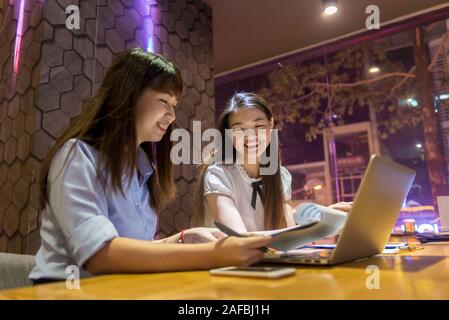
(273, 200)
(108, 123)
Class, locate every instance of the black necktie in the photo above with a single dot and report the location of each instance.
(256, 190)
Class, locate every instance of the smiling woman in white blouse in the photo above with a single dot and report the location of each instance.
(236, 192)
(106, 180)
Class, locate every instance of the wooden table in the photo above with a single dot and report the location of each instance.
(422, 274)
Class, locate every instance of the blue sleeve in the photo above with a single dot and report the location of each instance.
(78, 201)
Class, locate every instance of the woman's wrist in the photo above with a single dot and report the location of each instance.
(210, 256)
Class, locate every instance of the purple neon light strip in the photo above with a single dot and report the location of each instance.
(18, 42)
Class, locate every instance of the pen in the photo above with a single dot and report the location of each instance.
(231, 232)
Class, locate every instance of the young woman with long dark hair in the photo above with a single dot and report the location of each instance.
(235, 193)
(107, 178)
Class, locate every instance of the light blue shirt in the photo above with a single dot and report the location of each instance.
(85, 213)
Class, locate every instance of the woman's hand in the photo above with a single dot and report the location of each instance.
(342, 206)
(233, 251)
(200, 235)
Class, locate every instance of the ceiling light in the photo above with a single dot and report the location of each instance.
(330, 7)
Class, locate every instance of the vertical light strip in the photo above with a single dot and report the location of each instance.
(150, 28)
(150, 31)
(150, 44)
(18, 42)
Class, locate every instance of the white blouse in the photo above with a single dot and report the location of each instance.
(234, 182)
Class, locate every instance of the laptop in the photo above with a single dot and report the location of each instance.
(375, 210)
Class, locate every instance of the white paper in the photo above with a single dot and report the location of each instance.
(329, 222)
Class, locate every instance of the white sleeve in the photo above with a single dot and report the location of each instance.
(217, 181)
(286, 178)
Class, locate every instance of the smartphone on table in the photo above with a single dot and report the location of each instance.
(254, 272)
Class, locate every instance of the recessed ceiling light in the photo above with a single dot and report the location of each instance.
(330, 7)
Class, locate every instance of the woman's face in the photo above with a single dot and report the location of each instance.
(251, 131)
(155, 112)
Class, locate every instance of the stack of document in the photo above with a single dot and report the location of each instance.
(392, 247)
(433, 237)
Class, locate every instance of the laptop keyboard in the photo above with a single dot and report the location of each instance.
(307, 256)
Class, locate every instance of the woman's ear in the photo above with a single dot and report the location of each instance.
(272, 123)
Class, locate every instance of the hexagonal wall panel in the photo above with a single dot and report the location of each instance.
(60, 69)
